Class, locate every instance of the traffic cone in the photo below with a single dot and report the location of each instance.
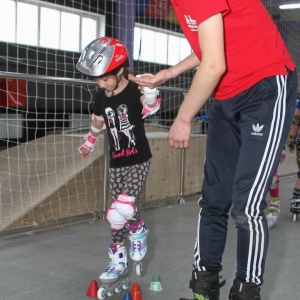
(93, 289)
(136, 292)
(127, 296)
(155, 284)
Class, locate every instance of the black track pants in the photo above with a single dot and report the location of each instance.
(246, 135)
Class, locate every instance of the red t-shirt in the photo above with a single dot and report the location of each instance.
(254, 48)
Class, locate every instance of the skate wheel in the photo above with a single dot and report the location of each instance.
(118, 289)
(101, 293)
(294, 217)
(110, 293)
(125, 284)
(138, 269)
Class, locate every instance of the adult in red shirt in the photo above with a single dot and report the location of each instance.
(243, 62)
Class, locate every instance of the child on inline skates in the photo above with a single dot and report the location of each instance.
(294, 143)
(121, 107)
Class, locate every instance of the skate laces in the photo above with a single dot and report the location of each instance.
(115, 268)
(136, 245)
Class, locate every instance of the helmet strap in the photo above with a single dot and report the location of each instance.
(118, 78)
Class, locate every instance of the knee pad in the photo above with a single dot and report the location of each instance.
(125, 206)
(117, 221)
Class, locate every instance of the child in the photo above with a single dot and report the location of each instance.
(119, 104)
(274, 202)
(294, 144)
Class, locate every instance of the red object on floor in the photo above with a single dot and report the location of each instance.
(136, 292)
(93, 289)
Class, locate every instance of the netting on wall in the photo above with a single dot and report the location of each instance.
(45, 104)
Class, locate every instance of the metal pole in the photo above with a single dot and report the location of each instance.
(42, 78)
(105, 174)
(182, 168)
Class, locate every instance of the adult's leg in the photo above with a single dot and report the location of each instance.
(264, 122)
(222, 151)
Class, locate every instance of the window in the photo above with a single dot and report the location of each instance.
(49, 31)
(70, 29)
(27, 24)
(38, 23)
(158, 46)
(43, 24)
(88, 31)
(7, 20)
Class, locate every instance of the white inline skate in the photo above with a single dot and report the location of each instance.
(114, 279)
(272, 215)
(138, 245)
(295, 208)
(273, 211)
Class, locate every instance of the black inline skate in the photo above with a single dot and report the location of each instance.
(244, 291)
(295, 208)
(205, 285)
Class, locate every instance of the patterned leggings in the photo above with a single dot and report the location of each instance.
(127, 180)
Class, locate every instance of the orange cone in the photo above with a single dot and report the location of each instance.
(136, 292)
(93, 289)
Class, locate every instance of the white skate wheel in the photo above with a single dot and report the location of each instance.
(110, 293)
(294, 217)
(138, 269)
(126, 284)
(101, 293)
(118, 289)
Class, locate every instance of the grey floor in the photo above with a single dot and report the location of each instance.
(60, 263)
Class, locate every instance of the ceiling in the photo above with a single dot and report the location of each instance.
(284, 15)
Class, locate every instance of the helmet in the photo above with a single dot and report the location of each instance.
(103, 56)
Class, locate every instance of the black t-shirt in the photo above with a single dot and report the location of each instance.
(125, 126)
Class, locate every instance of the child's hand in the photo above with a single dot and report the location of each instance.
(83, 152)
(88, 146)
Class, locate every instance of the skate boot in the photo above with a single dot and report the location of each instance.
(205, 285)
(138, 244)
(244, 291)
(114, 279)
(295, 208)
(273, 211)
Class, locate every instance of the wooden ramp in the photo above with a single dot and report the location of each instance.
(47, 179)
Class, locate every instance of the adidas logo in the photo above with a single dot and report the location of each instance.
(257, 129)
(191, 23)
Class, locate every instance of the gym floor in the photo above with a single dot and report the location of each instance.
(60, 263)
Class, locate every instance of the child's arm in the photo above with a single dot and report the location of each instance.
(88, 146)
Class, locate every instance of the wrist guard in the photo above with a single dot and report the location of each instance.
(89, 143)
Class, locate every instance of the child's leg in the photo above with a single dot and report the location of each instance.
(274, 203)
(125, 185)
(117, 266)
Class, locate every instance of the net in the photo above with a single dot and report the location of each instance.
(45, 105)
